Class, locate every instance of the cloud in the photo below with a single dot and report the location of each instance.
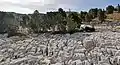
(28, 6)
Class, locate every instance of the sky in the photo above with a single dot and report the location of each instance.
(28, 6)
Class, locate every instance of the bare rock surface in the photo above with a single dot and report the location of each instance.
(97, 48)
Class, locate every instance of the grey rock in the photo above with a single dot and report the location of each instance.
(77, 49)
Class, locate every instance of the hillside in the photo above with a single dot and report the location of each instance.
(114, 17)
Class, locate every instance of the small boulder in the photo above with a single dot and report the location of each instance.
(89, 44)
(87, 28)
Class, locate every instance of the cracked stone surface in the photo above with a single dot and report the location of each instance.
(97, 48)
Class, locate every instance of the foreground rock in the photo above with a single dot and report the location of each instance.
(76, 49)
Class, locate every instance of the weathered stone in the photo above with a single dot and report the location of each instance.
(43, 49)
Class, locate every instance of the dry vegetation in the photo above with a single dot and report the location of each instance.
(114, 17)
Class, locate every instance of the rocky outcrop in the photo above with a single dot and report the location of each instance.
(75, 49)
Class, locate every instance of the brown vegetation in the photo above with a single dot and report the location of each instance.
(114, 16)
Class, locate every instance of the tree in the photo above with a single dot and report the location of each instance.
(51, 21)
(110, 9)
(118, 8)
(101, 15)
(26, 20)
(76, 18)
(93, 12)
(71, 25)
(36, 12)
(62, 12)
(56, 21)
(88, 18)
(82, 15)
(60, 20)
(35, 22)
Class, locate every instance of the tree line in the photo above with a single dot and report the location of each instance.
(65, 21)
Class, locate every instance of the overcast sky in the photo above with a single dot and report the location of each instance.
(28, 6)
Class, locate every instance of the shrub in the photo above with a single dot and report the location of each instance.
(15, 31)
(12, 31)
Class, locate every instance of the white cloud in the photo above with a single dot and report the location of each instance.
(28, 6)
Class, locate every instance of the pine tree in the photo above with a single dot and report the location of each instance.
(82, 15)
(62, 12)
(88, 18)
(71, 25)
(101, 15)
(35, 22)
(110, 9)
(118, 8)
(76, 18)
(93, 12)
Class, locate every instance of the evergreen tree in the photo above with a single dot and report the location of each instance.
(26, 20)
(35, 22)
(71, 25)
(62, 12)
(118, 8)
(110, 9)
(76, 18)
(82, 15)
(101, 15)
(88, 18)
(93, 12)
